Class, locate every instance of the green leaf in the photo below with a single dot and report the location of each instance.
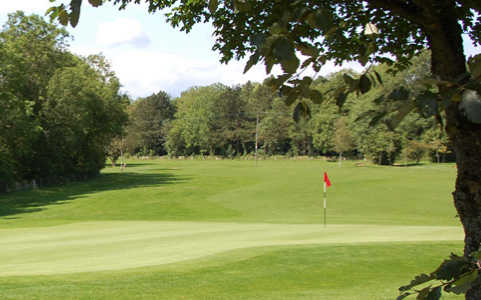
(316, 96)
(434, 294)
(52, 10)
(276, 28)
(302, 110)
(307, 50)
(427, 102)
(95, 3)
(290, 66)
(366, 49)
(269, 64)
(364, 84)
(402, 296)
(451, 268)
(283, 49)
(471, 106)
(401, 114)
(213, 4)
(399, 94)
(377, 117)
(474, 64)
(63, 17)
(253, 59)
(463, 284)
(75, 14)
(423, 294)
(258, 40)
(320, 19)
(379, 78)
(476, 254)
(379, 99)
(242, 6)
(307, 62)
(340, 96)
(351, 82)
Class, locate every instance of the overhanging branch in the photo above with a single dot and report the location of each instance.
(406, 9)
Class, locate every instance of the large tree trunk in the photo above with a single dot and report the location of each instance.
(449, 63)
(467, 196)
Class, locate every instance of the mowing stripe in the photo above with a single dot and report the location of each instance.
(97, 246)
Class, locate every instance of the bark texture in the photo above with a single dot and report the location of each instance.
(448, 63)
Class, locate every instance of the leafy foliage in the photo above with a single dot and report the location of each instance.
(455, 275)
(59, 110)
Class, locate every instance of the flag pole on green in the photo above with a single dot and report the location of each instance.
(327, 183)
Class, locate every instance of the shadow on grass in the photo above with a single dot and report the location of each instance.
(131, 165)
(406, 165)
(36, 200)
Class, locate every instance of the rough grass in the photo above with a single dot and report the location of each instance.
(228, 230)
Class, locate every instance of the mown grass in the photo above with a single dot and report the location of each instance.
(370, 271)
(237, 191)
(132, 234)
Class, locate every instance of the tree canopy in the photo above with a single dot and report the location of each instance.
(59, 111)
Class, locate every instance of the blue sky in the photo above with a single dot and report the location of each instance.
(147, 54)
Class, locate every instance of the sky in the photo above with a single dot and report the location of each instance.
(148, 55)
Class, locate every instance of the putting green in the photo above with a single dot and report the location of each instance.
(98, 246)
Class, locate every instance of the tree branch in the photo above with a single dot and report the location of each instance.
(406, 9)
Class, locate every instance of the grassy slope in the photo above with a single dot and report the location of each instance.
(235, 194)
(236, 191)
(345, 272)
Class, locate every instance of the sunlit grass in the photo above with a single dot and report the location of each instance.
(187, 229)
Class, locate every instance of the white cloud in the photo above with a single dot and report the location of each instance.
(145, 71)
(122, 31)
(28, 6)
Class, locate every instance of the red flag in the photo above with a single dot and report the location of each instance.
(326, 180)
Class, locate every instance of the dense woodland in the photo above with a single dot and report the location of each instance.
(59, 111)
(222, 121)
(63, 115)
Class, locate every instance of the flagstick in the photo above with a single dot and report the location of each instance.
(325, 204)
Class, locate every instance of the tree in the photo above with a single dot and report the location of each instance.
(342, 138)
(373, 31)
(81, 115)
(196, 120)
(274, 128)
(415, 150)
(59, 111)
(146, 129)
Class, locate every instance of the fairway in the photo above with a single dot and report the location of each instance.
(228, 230)
(98, 246)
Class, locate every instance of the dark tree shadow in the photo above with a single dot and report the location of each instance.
(109, 165)
(35, 200)
(410, 164)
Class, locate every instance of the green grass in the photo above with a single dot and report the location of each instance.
(173, 229)
(236, 191)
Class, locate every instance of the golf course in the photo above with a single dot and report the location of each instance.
(228, 229)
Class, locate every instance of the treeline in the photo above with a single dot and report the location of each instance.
(229, 121)
(62, 115)
(58, 111)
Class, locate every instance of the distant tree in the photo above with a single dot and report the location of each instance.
(274, 128)
(300, 135)
(415, 151)
(196, 120)
(146, 128)
(343, 141)
(30, 53)
(81, 116)
(59, 111)
(233, 128)
(323, 127)
(116, 149)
